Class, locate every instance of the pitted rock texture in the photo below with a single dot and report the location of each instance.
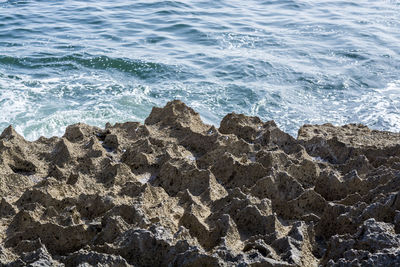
(177, 192)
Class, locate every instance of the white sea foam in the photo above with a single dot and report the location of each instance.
(380, 108)
(44, 107)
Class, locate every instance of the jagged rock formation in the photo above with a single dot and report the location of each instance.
(175, 191)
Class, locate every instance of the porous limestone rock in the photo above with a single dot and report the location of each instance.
(177, 192)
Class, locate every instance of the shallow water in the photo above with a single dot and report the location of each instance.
(295, 62)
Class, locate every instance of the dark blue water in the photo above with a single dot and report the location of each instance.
(295, 62)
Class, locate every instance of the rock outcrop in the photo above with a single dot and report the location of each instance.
(177, 192)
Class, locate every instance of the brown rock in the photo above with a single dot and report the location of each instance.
(176, 191)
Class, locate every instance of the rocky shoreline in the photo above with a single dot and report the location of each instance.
(177, 192)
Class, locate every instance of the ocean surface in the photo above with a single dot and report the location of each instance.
(294, 62)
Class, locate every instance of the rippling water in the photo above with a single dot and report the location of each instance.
(295, 62)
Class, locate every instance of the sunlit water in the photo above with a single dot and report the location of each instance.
(295, 62)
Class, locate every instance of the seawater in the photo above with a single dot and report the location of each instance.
(291, 61)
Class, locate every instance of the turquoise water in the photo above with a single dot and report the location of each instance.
(295, 62)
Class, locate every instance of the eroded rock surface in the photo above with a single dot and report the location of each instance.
(177, 192)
